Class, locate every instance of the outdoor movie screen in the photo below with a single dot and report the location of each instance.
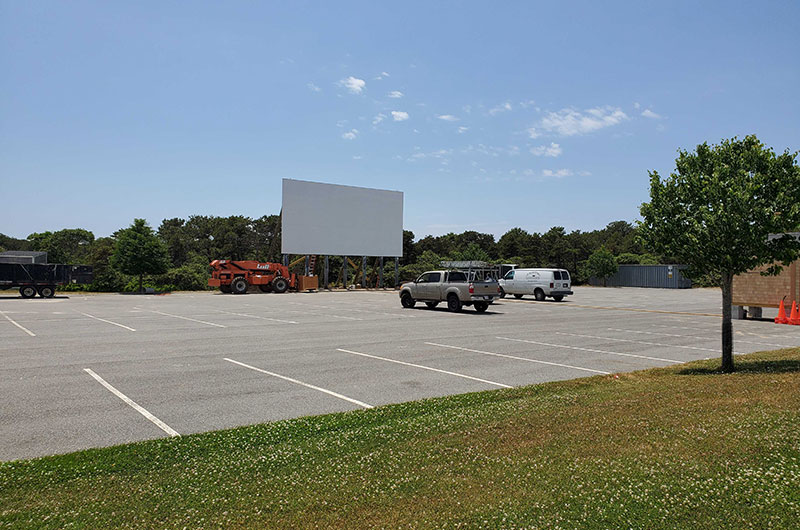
(330, 219)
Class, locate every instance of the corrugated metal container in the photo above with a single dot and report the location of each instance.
(23, 256)
(658, 276)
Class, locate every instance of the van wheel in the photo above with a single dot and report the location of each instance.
(280, 284)
(431, 305)
(480, 307)
(47, 291)
(27, 291)
(558, 297)
(407, 301)
(239, 286)
(502, 293)
(453, 303)
(539, 295)
(517, 296)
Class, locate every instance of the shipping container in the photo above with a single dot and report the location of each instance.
(656, 276)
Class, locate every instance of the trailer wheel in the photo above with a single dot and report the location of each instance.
(27, 291)
(239, 286)
(280, 285)
(47, 291)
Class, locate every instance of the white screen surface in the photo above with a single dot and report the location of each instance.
(330, 219)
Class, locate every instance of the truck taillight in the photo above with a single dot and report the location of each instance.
(498, 289)
(471, 288)
(551, 285)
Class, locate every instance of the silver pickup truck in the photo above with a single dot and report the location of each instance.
(452, 287)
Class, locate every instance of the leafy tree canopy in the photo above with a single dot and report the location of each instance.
(138, 251)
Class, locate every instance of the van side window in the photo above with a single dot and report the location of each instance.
(557, 275)
(564, 275)
(509, 275)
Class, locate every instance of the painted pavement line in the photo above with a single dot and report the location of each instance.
(103, 320)
(519, 358)
(186, 318)
(138, 408)
(425, 368)
(577, 348)
(295, 381)
(255, 316)
(20, 326)
(698, 338)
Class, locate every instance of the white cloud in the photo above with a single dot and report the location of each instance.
(527, 103)
(462, 130)
(447, 117)
(558, 173)
(569, 122)
(353, 85)
(396, 94)
(647, 113)
(381, 76)
(399, 115)
(636, 105)
(350, 135)
(379, 118)
(500, 108)
(547, 150)
(313, 87)
(357, 157)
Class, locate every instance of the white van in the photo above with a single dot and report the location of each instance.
(538, 282)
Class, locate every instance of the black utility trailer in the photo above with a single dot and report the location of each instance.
(41, 278)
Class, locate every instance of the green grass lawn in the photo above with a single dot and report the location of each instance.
(679, 447)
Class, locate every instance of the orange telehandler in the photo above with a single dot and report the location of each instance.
(236, 276)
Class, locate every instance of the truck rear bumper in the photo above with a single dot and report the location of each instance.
(482, 298)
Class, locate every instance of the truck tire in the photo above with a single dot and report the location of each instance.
(517, 296)
(480, 307)
(27, 291)
(539, 295)
(431, 305)
(47, 291)
(265, 288)
(225, 289)
(407, 301)
(239, 286)
(453, 303)
(558, 297)
(280, 284)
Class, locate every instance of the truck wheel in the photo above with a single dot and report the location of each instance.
(502, 293)
(280, 284)
(239, 286)
(225, 289)
(431, 305)
(480, 307)
(47, 291)
(558, 297)
(407, 301)
(539, 295)
(517, 296)
(265, 288)
(453, 303)
(27, 291)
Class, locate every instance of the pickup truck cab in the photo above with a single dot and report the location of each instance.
(538, 282)
(452, 287)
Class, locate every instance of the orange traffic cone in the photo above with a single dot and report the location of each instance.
(781, 318)
(794, 318)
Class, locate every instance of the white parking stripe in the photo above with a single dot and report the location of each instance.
(519, 358)
(103, 320)
(698, 338)
(23, 328)
(187, 318)
(637, 342)
(295, 381)
(592, 350)
(425, 368)
(138, 408)
(255, 316)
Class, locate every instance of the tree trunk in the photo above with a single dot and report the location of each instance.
(140, 283)
(727, 327)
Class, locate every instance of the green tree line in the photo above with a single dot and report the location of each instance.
(190, 244)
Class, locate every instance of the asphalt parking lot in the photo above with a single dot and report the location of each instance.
(87, 371)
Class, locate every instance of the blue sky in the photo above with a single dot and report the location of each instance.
(487, 115)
